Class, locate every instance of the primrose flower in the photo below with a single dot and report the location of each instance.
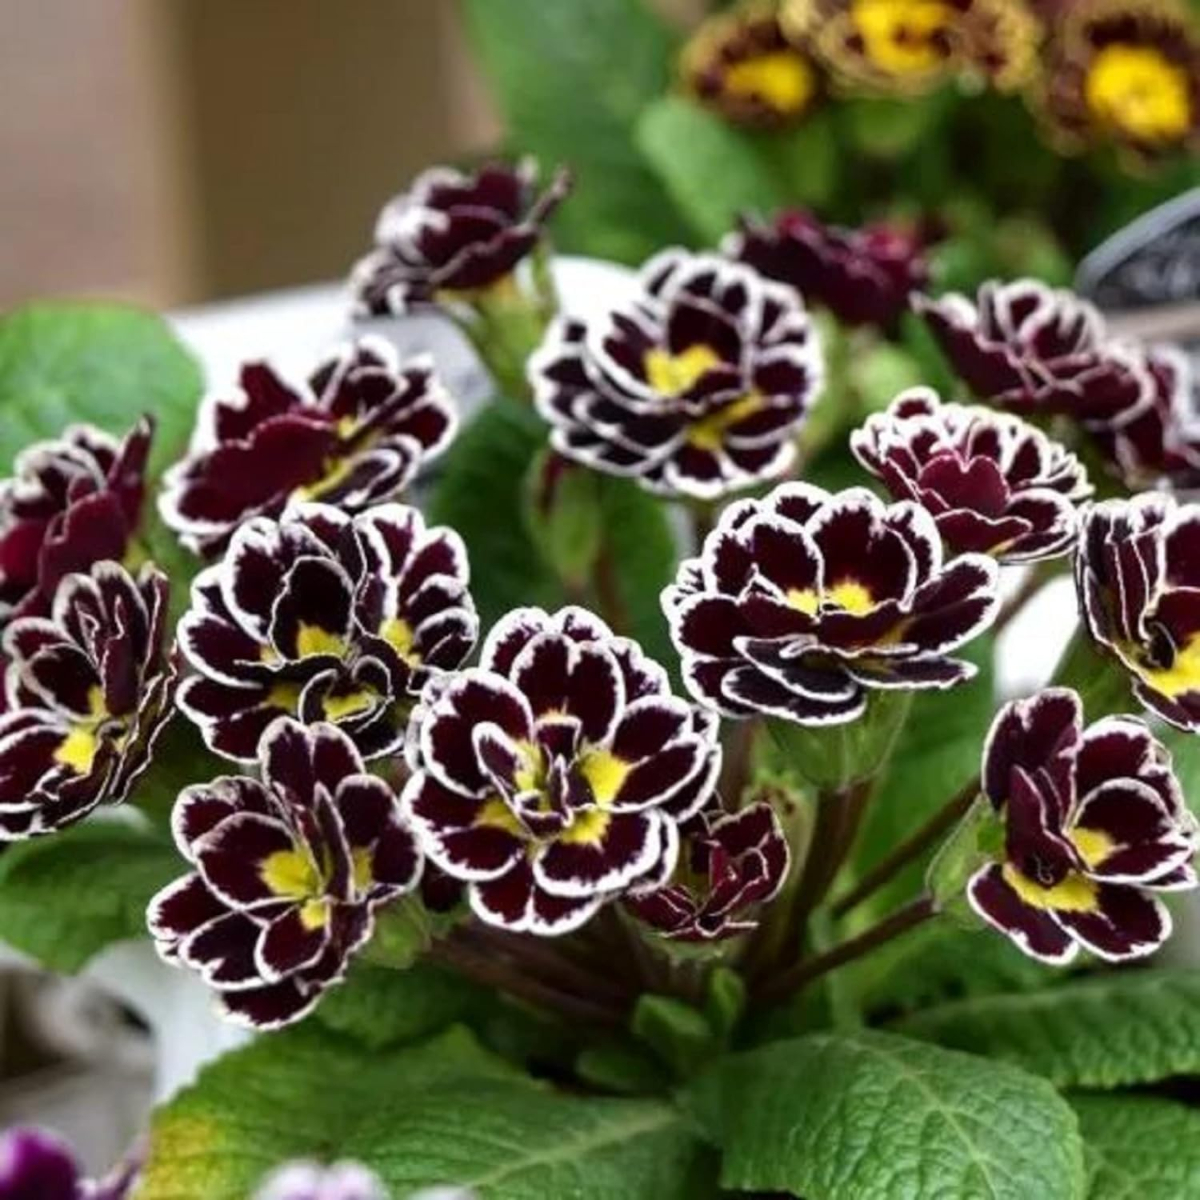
(453, 234)
(742, 65)
(72, 502)
(36, 1165)
(696, 388)
(801, 604)
(863, 276)
(552, 778)
(325, 617)
(1138, 578)
(88, 690)
(992, 483)
(354, 434)
(287, 873)
(1095, 825)
(729, 866)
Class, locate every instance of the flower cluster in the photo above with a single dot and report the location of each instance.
(326, 617)
(729, 866)
(287, 873)
(35, 1165)
(1125, 71)
(1095, 825)
(743, 65)
(802, 604)
(992, 483)
(863, 276)
(354, 434)
(88, 689)
(554, 776)
(1138, 575)
(453, 234)
(71, 503)
(697, 388)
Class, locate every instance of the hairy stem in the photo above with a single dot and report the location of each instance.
(911, 848)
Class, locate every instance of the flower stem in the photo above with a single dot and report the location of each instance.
(608, 592)
(809, 969)
(911, 848)
(739, 756)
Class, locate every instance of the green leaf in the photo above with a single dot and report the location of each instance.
(870, 1116)
(1139, 1147)
(1113, 1030)
(622, 1068)
(64, 898)
(678, 1033)
(66, 361)
(565, 517)
(571, 80)
(297, 1094)
(480, 492)
(713, 169)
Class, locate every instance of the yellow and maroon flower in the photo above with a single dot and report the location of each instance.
(1125, 72)
(1037, 350)
(743, 65)
(325, 617)
(800, 604)
(992, 483)
(355, 433)
(863, 276)
(552, 778)
(452, 234)
(88, 689)
(696, 388)
(904, 46)
(729, 866)
(1138, 578)
(72, 502)
(287, 873)
(1095, 824)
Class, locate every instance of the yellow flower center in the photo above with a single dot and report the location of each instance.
(496, 814)
(312, 639)
(782, 80)
(1183, 675)
(1094, 845)
(899, 36)
(1139, 91)
(336, 472)
(848, 595)
(79, 747)
(588, 829)
(398, 634)
(709, 432)
(283, 695)
(605, 774)
(672, 374)
(339, 707)
(293, 875)
(1076, 893)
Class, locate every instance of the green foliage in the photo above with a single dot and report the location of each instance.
(1139, 1146)
(1112, 1030)
(563, 509)
(64, 362)
(572, 80)
(63, 898)
(873, 1116)
(678, 1033)
(441, 1112)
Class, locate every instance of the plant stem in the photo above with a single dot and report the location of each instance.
(608, 592)
(809, 969)
(739, 754)
(911, 848)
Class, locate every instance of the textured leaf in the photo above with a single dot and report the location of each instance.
(571, 80)
(870, 1116)
(1113, 1030)
(107, 364)
(1139, 1147)
(713, 169)
(65, 897)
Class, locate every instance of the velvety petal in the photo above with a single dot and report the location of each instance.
(1035, 932)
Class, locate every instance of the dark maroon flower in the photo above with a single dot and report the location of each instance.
(36, 1165)
(1095, 823)
(354, 434)
(992, 483)
(311, 1181)
(453, 233)
(730, 864)
(1125, 72)
(800, 604)
(72, 502)
(325, 617)
(551, 779)
(863, 276)
(742, 65)
(287, 874)
(696, 388)
(1138, 577)
(88, 689)
(1034, 350)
